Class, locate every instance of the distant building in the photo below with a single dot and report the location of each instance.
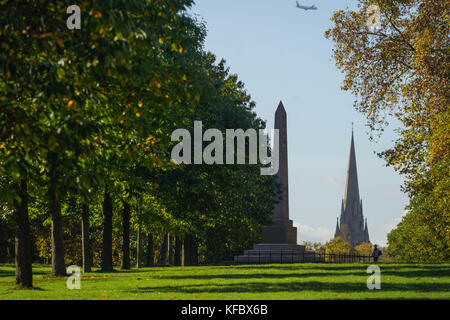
(352, 226)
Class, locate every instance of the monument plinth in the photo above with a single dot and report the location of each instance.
(280, 238)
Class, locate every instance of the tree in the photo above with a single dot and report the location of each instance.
(221, 207)
(107, 263)
(314, 246)
(126, 235)
(24, 276)
(338, 246)
(308, 245)
(69, 98)
(400, 71)
(415, 240)
(150, 251)
(86, 243)
(88, 115)
(364, 249)
(5, 235)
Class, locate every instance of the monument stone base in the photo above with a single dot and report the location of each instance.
(279, 245)
(276, 253)
(282, 231)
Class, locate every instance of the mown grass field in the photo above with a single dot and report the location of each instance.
(256, 282)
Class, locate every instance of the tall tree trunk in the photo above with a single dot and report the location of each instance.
(86, 244)
(126, 236)
(150, 251)
(138, 249)
(177, 254)
(107, 264)
(162, 257)
(187, 248)
(24, 273)
(170, 249)
(58, 264)
(194, 252)
(3, 243)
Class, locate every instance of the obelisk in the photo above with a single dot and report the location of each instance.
(279, 240)
(282, 232)
(281, 209)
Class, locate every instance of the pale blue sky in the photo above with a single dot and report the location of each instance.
(280, 53)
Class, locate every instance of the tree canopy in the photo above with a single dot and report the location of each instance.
(86, 120)
(400, 71)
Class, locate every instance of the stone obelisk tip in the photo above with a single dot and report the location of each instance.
(280, 108)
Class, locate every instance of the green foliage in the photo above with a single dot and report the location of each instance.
(338, 246)
(364, 249)
(223, 206)
(401, 71)
(84, 111)
(314, 246)
(421, 235)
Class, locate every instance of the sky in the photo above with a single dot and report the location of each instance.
(281, 54)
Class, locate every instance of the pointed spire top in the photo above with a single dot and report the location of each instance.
(366, 233)
(337, 230)
(351, 186)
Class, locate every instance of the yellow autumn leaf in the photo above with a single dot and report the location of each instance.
(71, 104)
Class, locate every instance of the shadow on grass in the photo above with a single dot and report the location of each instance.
(336, 266)
(132, 270)
(29, 289)
(431, 269)
(325, 273)
(7, 273)
(271, 287)
(12, 273)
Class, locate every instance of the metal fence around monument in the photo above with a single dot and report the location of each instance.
(280, 256)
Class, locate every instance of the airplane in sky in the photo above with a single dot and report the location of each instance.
(313, 7)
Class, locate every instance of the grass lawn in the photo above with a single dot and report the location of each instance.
(256, 282)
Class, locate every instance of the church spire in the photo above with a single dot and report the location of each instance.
(337, 231)
(366, 233)
(351, 186)
(352, 218)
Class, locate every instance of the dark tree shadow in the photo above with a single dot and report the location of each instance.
(323, 273)
(295, 286)
(12, 273)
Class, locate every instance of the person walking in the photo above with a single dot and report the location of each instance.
(376, 253)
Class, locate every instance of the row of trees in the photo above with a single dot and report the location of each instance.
(339, 246)
(86, 120)
(401, 71)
